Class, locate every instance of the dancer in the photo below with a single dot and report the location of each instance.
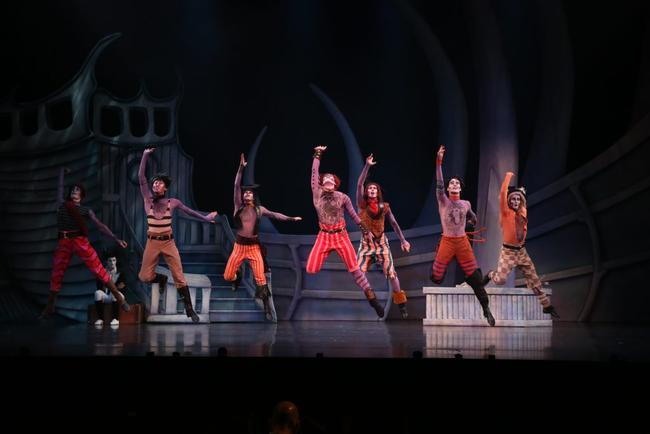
(160, 240)
(514, 225)
(330, 205)
(247, 213)
(73, 238)
(373, 212)
(454, 241)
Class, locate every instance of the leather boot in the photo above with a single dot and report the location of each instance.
(187, 300)
(262, 292)
(99, 309)
(235, 283)
(551, 311)
(476, 282)
(487, 278)
(161, 280)
(115, 311)
(49, 307)
(372, 299)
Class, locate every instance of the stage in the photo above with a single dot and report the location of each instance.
(565, 341)
(397, 376)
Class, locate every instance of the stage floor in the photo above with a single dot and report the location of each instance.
(332, 339)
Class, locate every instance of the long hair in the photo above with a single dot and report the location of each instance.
(380, 195)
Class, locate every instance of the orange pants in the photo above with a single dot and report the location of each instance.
(253, 254)
(449, 248)
(168, 250)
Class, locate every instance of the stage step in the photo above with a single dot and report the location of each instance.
(232, 304)
(237, 316)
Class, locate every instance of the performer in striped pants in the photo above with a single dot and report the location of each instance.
(373, 212)
(329, 204)
(454, 241)
(247, 247)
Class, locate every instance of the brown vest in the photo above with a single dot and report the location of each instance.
(374, 223)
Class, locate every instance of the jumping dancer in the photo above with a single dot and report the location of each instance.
(247, 214)
(514, 225)
(373, 212)
(330, 204)
(160, 240)
(73, 238)
(454, 241)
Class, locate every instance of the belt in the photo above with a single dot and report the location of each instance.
(246, 241)
(332, 231)
(63, 235)
(161, 237)
(511, 247)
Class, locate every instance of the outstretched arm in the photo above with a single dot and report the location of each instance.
(102, 227)
(362, 179)
(503, 194)
(144, 187)
(406, 246)
(440, 181)
(278, 216)
(315, 165)
(175, 203)
(237, 194)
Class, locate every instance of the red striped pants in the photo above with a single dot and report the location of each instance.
(450, 247)
(62, 255)
(326, 243)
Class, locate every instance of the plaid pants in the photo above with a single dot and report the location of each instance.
(511, 258)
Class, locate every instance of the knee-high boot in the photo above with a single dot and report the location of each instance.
(187, 300)
(372, 299)
(476, 282)
(161, 280)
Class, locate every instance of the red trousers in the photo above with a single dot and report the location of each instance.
(450, 247)
(326, 243)
(62, 255)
